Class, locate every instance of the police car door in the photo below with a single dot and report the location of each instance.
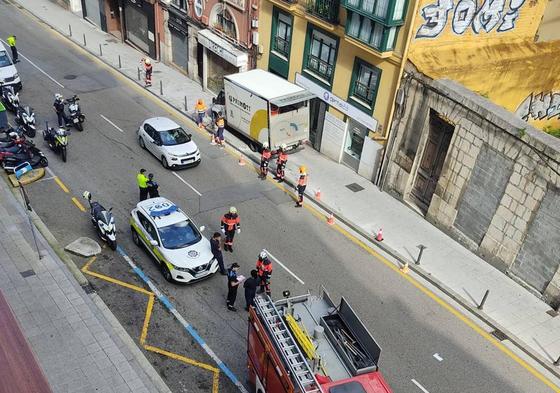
(150, 134)
(149, 235)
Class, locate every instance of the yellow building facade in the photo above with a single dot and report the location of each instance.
(505, 50)
(350, 54)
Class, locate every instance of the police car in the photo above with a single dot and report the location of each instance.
(181, 252)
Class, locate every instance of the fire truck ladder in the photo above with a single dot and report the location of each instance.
(287, 345)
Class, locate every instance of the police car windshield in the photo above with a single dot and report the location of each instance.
(179, 235)
(174, 137)
(4, 59)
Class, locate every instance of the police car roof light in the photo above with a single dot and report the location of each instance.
(160, 210)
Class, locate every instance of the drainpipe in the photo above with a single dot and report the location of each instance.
(400, 74)
(121, 19)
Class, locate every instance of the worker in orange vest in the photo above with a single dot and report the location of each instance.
(147, 71)
(301, 184)
(265, 159)
(281, 163)
(264, 271)
(219, 137)
(200, 109)
(230, 225)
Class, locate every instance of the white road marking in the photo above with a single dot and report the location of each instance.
(36, 66)
(184, 181)
(438, 357)
(422, 388)
(285, 268)
(111, 123)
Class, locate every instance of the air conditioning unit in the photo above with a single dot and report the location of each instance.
(254, 23)
(255, 39)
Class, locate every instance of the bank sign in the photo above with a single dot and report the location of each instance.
(337, 102)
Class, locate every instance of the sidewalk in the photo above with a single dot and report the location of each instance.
(75, 338)
(461, 274)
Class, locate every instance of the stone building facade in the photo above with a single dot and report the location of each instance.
(480, 174)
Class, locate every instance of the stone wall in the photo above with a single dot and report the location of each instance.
(497, 191)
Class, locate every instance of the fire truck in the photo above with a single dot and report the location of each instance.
(307, 344)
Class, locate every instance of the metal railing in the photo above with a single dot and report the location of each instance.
(281, 46)
(320, 67)
(324, 9)
(363, 91)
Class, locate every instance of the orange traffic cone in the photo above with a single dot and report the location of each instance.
(318, 194)
(404, 268)
(241, 161)
(379, 236)
(330, 219)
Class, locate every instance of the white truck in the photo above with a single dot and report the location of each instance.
(264, 108)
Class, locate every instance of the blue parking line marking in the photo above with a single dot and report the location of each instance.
(187, 326)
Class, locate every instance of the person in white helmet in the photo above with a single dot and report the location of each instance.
(59, 109)
(265, 159)
(281, 163)
(147, 71)
(264, 271)
(230, 225)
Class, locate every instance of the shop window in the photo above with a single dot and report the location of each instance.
(364, 85)
(282, 33)
(320, 55)
(355, 140)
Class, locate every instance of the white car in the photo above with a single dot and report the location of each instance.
(8, 72)
(180, 250)
(166, 140)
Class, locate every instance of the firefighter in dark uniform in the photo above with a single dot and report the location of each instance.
(281, 163)
(264, 271)
(265, 159)
(301, 185)
(232, 286)
(230, 225)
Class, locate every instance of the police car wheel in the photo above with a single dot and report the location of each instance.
(165, 271)
(135, 237)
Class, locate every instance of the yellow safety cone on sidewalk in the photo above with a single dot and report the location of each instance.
(404, 268)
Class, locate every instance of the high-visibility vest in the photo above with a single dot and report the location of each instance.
(266, 154)
(282, 158)
(230, 221)
(200, 107)
(302, 181)
(142, 180)
(11, 40)
(264, 269)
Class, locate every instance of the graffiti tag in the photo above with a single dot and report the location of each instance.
(466, 13)
(540, 106)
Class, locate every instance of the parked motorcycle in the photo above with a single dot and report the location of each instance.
(57, 140)
(25, 117)
(32, 155)
(10, 98)
(103, 221)
(75, 113)
(9, 134)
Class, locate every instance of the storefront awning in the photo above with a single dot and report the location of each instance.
(222, 48)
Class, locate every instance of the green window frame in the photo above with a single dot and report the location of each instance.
(370, 32)
(386, 12)
(319, 55)
(282, 28)
(364, 85)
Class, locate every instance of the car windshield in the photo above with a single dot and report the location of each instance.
(174, 137)
(179, 235)
(4, 59)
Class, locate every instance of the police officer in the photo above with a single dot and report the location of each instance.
(215, 246)
(301, 185)
(250, 286)
(142, 182)
(232, 286)
(153, 187)
(230, 225)
(11, 40)
(281, 163)
(264, 271)
(59, 109)
(265, 159)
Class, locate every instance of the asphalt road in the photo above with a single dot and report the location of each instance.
(410, 326)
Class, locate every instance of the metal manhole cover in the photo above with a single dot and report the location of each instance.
(70, 77)
(354, 187)
(27, 273)
(499, 335)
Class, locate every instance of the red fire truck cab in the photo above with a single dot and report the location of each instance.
(306, 344)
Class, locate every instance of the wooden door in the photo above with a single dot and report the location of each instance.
(432, 160)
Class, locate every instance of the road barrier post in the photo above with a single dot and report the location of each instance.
(186, 104)
(70, 30)
(422, 248)
(120, 65)
(138, 73)
(85, 43)
(100, 50)
(557, 362)
(481, 305)
(160, 87)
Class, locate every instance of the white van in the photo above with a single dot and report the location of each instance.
(8, 73)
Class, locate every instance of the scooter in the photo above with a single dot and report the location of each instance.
(10, 98)
(75, 113)
(57, 141)
(31, 154)
(25, 117)
(103, 221)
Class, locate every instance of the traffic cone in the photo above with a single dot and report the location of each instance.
(379, 236)
(318, 194)
(241, 161)
(330, 219)
(212, 140)
(404, 268)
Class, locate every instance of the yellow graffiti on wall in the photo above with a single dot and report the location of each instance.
(489, 47)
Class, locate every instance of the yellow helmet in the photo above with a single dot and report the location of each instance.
(302, 169)
(233, 210)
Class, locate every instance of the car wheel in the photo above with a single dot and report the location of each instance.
(254, 147)
(141, 142)
(135, 237)
(165, 271)
(164, 162)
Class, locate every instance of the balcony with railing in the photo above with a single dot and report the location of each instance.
(326, 10)
(320, 67)
(281, 46)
